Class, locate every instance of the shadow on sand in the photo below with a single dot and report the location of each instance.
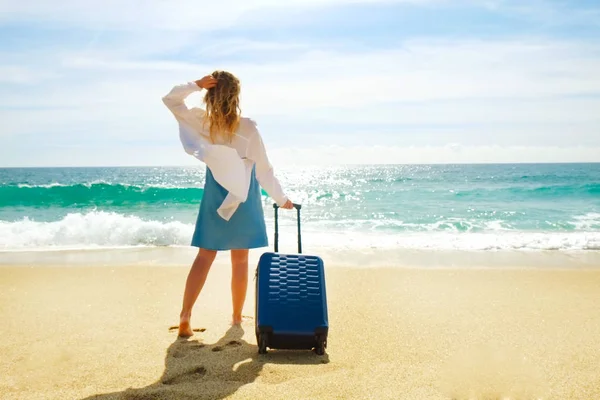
(194, 370)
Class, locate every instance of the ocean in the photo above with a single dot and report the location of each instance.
(346, 209)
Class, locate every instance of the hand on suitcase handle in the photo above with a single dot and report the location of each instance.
(294, 205)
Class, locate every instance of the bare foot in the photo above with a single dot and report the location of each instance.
(185, 330)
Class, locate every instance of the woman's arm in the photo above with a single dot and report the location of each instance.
(264, 170)
(188, 120)
(175, 99)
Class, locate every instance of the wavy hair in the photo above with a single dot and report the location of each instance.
(223, 106)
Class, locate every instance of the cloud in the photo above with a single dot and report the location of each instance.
(550, 13)
(194, 15)
(419, 70)
(426, 71)
(18, 74)
(464, 82)
(99, 78)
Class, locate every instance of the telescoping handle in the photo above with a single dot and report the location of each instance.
(297, 207)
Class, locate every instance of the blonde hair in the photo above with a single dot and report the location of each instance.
(223, 106)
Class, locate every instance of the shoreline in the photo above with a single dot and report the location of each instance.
(360, 258)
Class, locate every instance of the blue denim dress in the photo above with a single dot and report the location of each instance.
(245, 230)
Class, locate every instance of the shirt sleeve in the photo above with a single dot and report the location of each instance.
(175, 102)
(188, 119)
(264, 170)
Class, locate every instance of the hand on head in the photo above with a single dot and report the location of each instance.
(207, 82)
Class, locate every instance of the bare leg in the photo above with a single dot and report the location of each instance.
(239, 282)
(193, 286)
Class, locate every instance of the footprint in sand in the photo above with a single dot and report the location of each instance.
(188, 376)
(233, 343)
(187, 348)
(176, 327)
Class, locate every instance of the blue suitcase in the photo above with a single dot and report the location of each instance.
(291, 303)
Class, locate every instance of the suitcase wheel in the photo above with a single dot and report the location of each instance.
(262, 343)
(321, 345)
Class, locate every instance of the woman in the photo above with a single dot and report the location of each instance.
(225, 222)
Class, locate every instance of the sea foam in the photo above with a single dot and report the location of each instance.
(99, 229)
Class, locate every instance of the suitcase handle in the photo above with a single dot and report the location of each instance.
(297, 207)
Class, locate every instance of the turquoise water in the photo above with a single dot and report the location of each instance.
(463, 207)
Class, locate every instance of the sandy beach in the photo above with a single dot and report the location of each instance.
(396, 333)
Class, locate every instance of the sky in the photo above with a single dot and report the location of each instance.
(328, 81)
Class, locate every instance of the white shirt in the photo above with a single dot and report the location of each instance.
(230, 163)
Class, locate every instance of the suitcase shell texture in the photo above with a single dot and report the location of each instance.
(291, 301)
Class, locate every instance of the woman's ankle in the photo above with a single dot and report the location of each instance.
(185, 316)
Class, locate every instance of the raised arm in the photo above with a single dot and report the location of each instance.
(188, 120)
(264, 170)
(175, 99)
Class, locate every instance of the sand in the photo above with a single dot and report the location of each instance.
(396, 333)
